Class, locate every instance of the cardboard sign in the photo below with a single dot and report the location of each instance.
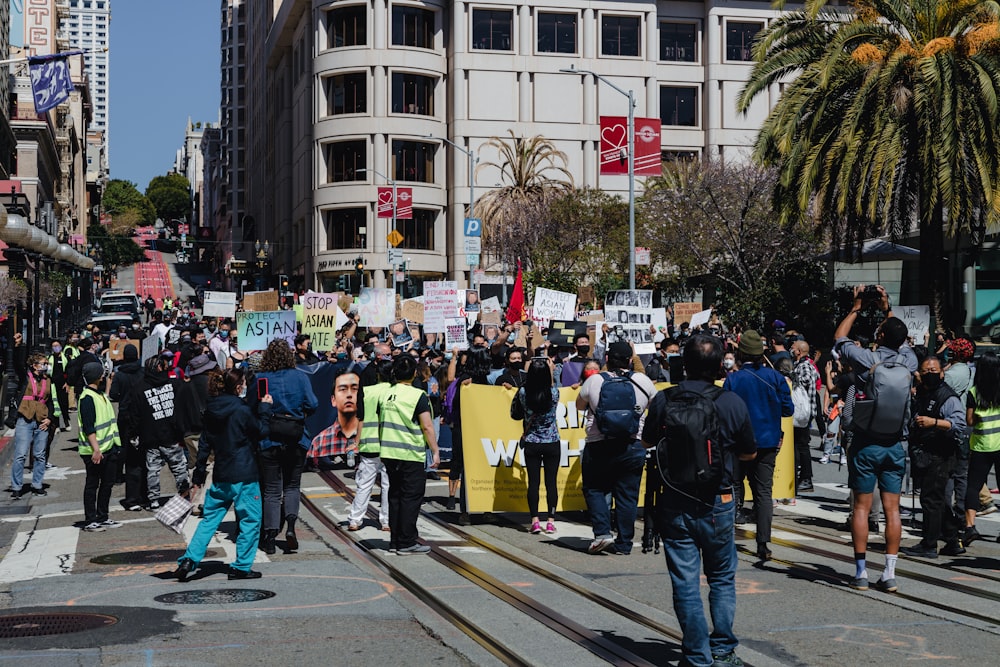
(322, 318)
(454, 334)
(116, 348)
(412, 311)
(629, 313)
(565, 333)
(219, 304)
(491, 305)
(257, 329)
(150, 347)
(685, 310)
(585, 294)
(490, 318)
(377, 307)
(554, 305)
(260, 301)
(917, 320)
(440, 304)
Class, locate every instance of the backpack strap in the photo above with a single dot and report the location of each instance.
(629, 375)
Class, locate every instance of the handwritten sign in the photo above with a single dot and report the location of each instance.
(257, 329)
(412, 311)
(116, 348)
(685, 310)
(219, 304)
(917, 320)
(376, 307)
(440, 304)
(491, 305)
(322, 318)
(454, 334)
(260, 301)
(554, 305)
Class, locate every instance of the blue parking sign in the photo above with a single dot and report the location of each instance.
(473, 227)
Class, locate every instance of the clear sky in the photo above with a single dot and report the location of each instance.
(164, 68)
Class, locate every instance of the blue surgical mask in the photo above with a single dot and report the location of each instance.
(341, 356)
(223, 334)
(56, 349)
(447, 356)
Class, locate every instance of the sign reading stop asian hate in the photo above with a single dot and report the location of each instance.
(322, 318)
(257, 329)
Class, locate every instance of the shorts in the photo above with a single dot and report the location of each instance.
(867, 464)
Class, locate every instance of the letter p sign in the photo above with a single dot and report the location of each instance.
(473, 227)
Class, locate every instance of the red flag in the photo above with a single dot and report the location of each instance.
(515, 310)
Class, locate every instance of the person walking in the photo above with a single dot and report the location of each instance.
(230, 433)
(99, 447)
(283, 450)
(804, 379)
(160, 434)
(982, 415)
(126, 380)
(535, 404)
(31, 432)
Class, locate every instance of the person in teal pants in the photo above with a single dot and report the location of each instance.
(232, 432)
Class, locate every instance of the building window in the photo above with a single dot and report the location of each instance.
(418, 233)
(413, 161)
(679, 106)
(344, 159)
(412, 93)
(556, 33)
(678, 156)
(348, 26)
(491, 29)
(739, 39)
(412, 26)
(620, 35)
(346, 93)
(678, 42)
(343, 228)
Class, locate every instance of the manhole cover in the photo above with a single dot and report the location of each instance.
(40, 625)
(220, 596)
(151, 557)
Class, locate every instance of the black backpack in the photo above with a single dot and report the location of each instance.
(689, 452)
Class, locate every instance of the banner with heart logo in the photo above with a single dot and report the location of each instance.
(614, 146)
(404, 205)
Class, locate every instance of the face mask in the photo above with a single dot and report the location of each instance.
(56, 349)
(341, 356)
(590, 372)
(447, 356)
(309, 347)
(515, 365)
(728, 363)
(583, 350)
(930, 382)
(135, 327)
(223, 334)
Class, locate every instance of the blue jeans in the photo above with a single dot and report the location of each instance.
(614, 467)
(697, 535)
(245, 497)
(28, 435)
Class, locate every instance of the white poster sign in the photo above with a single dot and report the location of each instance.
(491, 305)
(554, 305)
(376, 307)
(440, 304)
(454, 334)
(630, 317)
(700, 318)
(219, 304)
(917, 320)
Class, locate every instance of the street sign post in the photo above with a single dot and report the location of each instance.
(473, 245)
(642, 256)
(473, 227)
(472, 259)
(395, 256)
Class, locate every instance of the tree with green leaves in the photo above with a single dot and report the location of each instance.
(171, 194)
(116, 249)
(891, 121)
(122, 197)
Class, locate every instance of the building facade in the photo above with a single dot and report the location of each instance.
(88, 27)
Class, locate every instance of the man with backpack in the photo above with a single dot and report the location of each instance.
(805, 400)
(613, 458)
(879, 422)
(699, 431)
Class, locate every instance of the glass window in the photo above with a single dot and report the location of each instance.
(678, 156)
(343, 228)
(413, 161)
(412, 93)
(412, 26)
(348, 26)
(556, 33)
(679, 106)
(492, 28)
(739, 38)
(346, 93)
(620, 35)
(344, 159)
(418, 233)
(678, 42)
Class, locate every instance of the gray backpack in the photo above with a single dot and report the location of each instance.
(885, 408)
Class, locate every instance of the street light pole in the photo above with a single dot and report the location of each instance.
(631, 165)
(472, 191)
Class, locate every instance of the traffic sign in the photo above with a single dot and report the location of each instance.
(400, 276)
(473, 227)
(394, 238)
(473, 245)
(642, 256)
(472, 259)
(395, 256)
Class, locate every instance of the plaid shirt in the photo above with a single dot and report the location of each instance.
(332, 441)
(805, 375)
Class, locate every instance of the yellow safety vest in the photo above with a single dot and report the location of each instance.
(986, 433)
(105, 424)
(402, 439)
(368, 443)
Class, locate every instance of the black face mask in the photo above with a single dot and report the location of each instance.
(931, 382)
(515, 365)
(583, 350)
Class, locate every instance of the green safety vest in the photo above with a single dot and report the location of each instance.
(105, 423)
(986, 433)
(402, 439)
(369, 443)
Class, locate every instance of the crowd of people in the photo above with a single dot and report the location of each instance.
(247, 421)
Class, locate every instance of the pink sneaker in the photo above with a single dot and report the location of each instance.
(536, 528)
(550, 528)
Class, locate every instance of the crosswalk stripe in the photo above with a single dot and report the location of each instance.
(48, 552)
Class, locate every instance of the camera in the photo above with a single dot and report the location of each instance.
(871, 296)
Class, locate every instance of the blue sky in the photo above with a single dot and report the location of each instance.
(164, 67)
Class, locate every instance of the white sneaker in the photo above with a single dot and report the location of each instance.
(111, 523)
(600, 544)
(154, 505)
(94, 527)
(824, 459)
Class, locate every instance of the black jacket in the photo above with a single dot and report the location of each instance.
(124, 384)
(155, 403)
(232, 433)
(191, 405)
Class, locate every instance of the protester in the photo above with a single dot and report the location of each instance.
(982, 415)
(31, 431)
(474, 371)
(99, 447)
(124, 386)
(535, 404)
(804, 380)
(160, 433)
(58, 361)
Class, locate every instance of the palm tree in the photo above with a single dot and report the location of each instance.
(531, 171)
(890, 122)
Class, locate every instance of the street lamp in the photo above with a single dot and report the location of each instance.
(263, 253)
(391, 182)
(631, 165)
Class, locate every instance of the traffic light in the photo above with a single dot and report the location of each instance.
(344, 283)
(359, 266)
(283, 279)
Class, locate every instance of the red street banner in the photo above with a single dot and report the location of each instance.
(614, 146)
(404, 207)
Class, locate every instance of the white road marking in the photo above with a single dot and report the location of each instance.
(49, 552)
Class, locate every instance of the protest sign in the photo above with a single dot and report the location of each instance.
(322, 318)
(917, 320)
(257, 329)
(585, 294)
(685, 310)
(491, 305)
(490, 318)
(440, 304)
(377, 307)
(471, 303)
(412, 311)
(260, 301)
(116, 348)
(553, 305)
(630, 315)
(454, 334)
(150, 346)
(700, 318)
(565, 333)
(219, 304)
(399, 334)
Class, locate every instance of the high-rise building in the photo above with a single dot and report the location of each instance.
(88, 29)
(233, 227)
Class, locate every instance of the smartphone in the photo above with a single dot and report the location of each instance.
(261, 387)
